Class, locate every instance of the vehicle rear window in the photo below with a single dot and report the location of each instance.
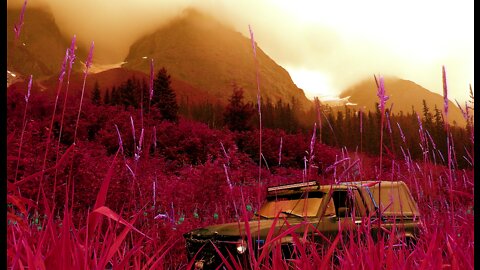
(395, 199)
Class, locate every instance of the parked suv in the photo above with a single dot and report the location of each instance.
(317, 209)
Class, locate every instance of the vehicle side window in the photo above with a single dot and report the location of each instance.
(344, 203)
(359, 204)
(330, 208)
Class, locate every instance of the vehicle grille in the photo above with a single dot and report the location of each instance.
(208, 253)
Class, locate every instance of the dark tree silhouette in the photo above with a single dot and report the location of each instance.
(106, 98)
(164, 97)
(114, 97)
(427, 116)
(96, 98)
(238, 114)
(144, 95)
(128, 93)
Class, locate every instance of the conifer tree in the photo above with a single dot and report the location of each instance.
(96, 99)
(268, 113)
(144, 94)
(106, 98)
(114, 96)
(238, 114)
(128, 96)
(164, 97)
(427, 116)
(438, 118)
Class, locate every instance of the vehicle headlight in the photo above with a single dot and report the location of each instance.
(241, 247)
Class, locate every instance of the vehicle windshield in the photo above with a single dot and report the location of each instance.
(307, 207)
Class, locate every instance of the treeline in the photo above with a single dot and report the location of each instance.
(415, 135)
(137, 94)
(411, 135)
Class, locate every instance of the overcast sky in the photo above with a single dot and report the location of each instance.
(325, 45)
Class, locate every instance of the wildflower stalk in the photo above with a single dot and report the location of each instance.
(151, 85)
(382, 98)
(258, 104)
(280, 152)
(389, 126)
(71, 59)
(141, 107)
(469, 119)
(304, 173)
(434, 150)
(259, 122)
(472, 129)
(17, 28)
(133, 135)
(47, 145)
(360, 112)
(230, 186)
(24, 124)
(318, 107)
(88, 63)
(154, 190)
(150, 96)
(154, 138)
(312, 148)
(447, 129)
(331, 129)
(137, 150)
(120, 141)
(423, 145)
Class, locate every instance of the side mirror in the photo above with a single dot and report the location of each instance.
(342, 212)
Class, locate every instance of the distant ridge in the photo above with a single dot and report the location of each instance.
(404, 95)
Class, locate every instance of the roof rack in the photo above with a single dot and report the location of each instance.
(292, 186)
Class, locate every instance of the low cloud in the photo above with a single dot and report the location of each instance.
(344, 44)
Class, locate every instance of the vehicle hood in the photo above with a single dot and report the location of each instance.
(260, 227)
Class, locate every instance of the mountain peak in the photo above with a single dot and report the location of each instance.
(192, 14)
(197, 19)
(40, 48)
(200, 50)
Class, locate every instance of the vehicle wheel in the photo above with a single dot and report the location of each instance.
(410, 243)
(287, 251)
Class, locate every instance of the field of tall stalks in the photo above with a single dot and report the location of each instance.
(100, 187)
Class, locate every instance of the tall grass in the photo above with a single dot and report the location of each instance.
(447, 128)
(381, 106)
(47, 144)
(95, 243)
(121, 230)
(70, 58)
(24, 124)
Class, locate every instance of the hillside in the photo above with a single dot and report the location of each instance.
(114, 77)
(40, 48)
(404, 95)
(208, 55)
